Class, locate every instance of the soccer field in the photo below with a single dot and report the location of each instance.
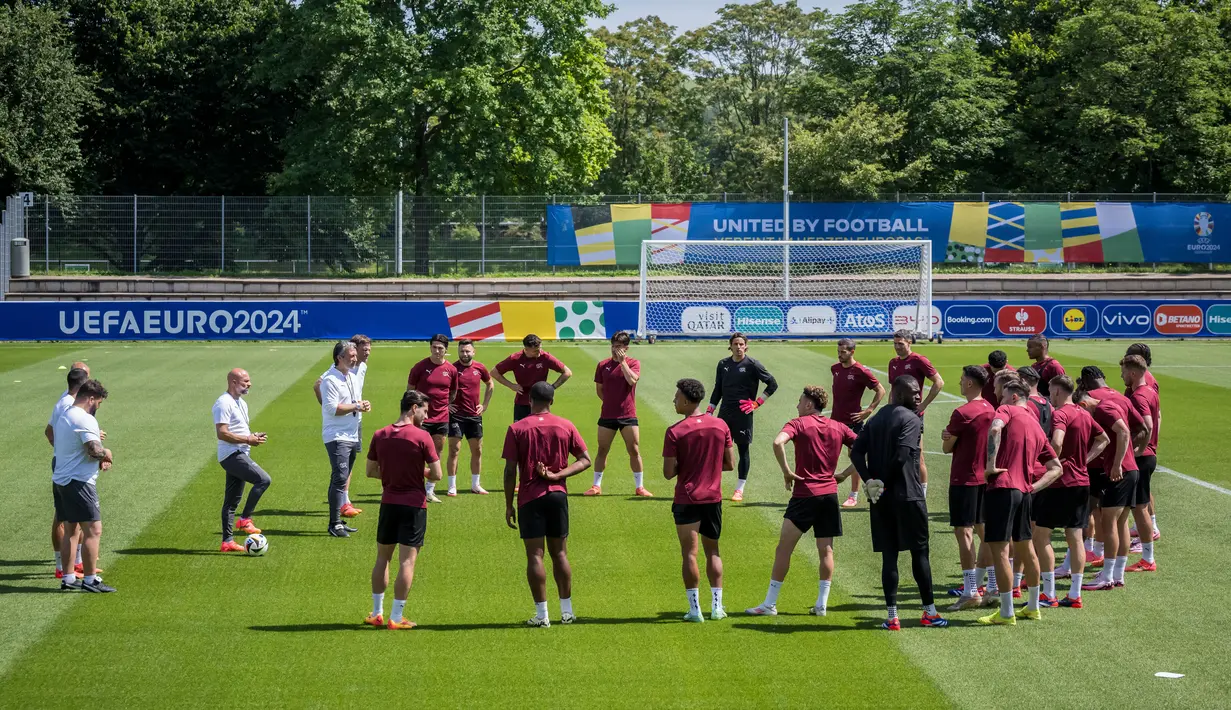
(193, 627)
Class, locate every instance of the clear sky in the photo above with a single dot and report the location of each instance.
(686, 14)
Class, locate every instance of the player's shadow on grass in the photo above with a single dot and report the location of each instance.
(763, 504)
(22, 563)
(293, 533)
(277, 513)
(791, 628)
(22, 575)
(14, 589)
(165, 551)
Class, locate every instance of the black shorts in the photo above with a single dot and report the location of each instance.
(520, 412)
(898, 525)
(544, 517)
(1117, 494)
(76, 502)
(1006, 515)
(1061, 507)
(465, 427)
(708, 514)
(740, 425)
(821, 514)
(436, 428)
(617, 424)
(855, 427)
(401, 525)
(966, 505)
(1145, 471)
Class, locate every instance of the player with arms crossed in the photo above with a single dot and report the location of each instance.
(398, 456)
(615, 382)
(1015, 444)
(1044, 364)
(363, 350)
(735, 386)
(235, 442)
(1144, 398)
(466, 415)
(538, 447)
(696, 450)
(1066, 504)
(436, 378)
(529, 366)
(1144, 351)
(850, 379)
(920, 368)
(887, 456)
(966, 439)
(814, 494)
(79, 458)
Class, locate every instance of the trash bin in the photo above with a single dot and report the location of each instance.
(20, 258)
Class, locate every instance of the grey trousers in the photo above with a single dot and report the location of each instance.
(341, 460)
(240, 469)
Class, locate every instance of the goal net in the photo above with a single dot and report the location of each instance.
(786, 288)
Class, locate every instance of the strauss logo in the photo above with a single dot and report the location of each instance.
(1022, 316)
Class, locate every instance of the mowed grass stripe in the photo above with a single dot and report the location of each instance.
(180, 634)
(158, 424)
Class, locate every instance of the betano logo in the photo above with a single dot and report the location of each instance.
(1178, 319)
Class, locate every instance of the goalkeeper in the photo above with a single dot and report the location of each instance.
(735, 386)
(886, 455)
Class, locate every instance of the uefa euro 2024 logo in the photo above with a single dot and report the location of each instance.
(1203, 224)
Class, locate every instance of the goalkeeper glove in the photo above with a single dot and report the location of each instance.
(709, 409)
(748, 406)
(873, 489)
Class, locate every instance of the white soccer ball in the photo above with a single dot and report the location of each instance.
(256, 545)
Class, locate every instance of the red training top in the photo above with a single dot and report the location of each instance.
(969, 423)
(469, 379)
(527, 371)
(1112, 406)
(989, 389)
(619, 397)
(403, 453)
(1145, 401)
(915, 365)
(818, 443)
(1022, 448)
(847, 391)
(697, 443)
(1079, 429)
(541, 438)
(438, 383)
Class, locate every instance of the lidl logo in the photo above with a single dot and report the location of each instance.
(1218, 319)
(1074, 319)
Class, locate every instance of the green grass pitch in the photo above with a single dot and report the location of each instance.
(191, 627)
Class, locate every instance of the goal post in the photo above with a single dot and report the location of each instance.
(781, 288)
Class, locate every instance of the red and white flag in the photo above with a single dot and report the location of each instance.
(477, 320)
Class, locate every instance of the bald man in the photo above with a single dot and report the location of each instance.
(78, 373)
(235, 440)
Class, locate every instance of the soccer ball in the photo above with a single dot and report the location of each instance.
(256, 545)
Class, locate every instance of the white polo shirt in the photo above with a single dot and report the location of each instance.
(73, 430)
(359, 374)
(234, 413)
(337, 388)
(62, 404)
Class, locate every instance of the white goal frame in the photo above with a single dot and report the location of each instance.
(923, 312)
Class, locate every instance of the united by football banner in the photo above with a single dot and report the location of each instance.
(510, 321)
(970, 232)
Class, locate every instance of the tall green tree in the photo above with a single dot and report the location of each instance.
(42, 98)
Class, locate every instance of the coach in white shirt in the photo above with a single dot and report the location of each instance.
(341, 409)
(79, 457)
(77, 375)
(235, 440)
(363, 349)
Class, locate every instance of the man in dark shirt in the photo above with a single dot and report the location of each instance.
(886, 455)
(735, 386)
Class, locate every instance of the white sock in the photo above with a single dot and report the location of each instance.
(398, 606)
(970, 583)
(566, 606)
(854, 496)
(929, 609)
(716, 602)
(1147, 551)
(1033, 602)
(90, 579)
(822, 593)
(598, 478)
(891, 612)
(1064, 566)
(980, 576)
(59, 567)
(993, 586)
(1017, 579)
(1049, 584)
(1154, 522)
(637, 478)
(694, 601)
(78, 554)
(739, 486)
(378, 604)
(540, 610)
(431, 488)
(1006, 604)
(1118, 572)
(1089, 544)
(1099, 548)
(771, 596)
(925, 488)
(1075, 587)
(346, 496)
(474, 482)
(453, 483)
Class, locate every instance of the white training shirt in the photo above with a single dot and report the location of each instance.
(62, 404)
(73, 430)
(234, 413)
(336, 389)
(359, 374)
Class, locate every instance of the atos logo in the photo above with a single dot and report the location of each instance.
(1126, 319)
(863, 319)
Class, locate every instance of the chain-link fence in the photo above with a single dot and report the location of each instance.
(439, 236)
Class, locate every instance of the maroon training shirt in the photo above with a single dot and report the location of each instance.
(1145, 401)
(697, 443)
(527, 371)
(1047, 369)
(969, 423)
(541, 438)
(1112, 406)
(1022, 448)
(619, 397)
(818, 443)
(989, 389)
(847, 391)
(403, 453)
(1079, 429)
(470, 379)
(438, 383)
(915, 365)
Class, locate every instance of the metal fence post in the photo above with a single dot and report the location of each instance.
(482, 234)
(134, 234)
(47, 233)
(309, 234)
(397, 243)
(222, 264)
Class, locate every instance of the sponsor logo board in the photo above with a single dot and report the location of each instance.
(758, 319)
(1021, 320)
(1074, 319)
(1178, 319)
(809, 320)
(705, 320)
